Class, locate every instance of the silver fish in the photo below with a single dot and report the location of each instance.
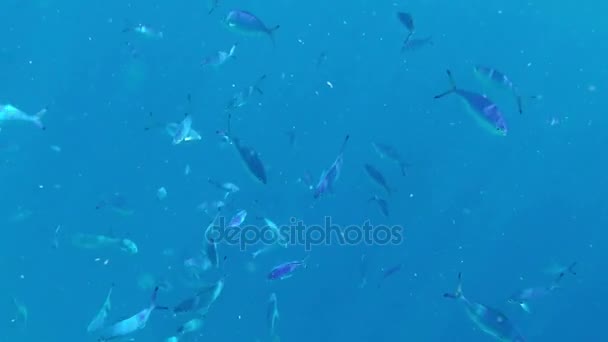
(489, 320)
(390, 152)
(377, 177)
(9, 112)
(132, 324)
(99, 320)
(247, 22)
(272, 314)
(183, 131)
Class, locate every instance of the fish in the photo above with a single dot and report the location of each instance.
(211, 244)
(252, 160)
(483, 109)
(412, 44)
(389, 273)
(241, 98)
(9, 112)
(21, 316)
(145, 31)
(219, 58)
(321, 59)
(128, 246)
(132, 324)
(247, 22)
(291, 136)
(489, 320)
(89, 241)
(363, 266)
(279, 240)
(329, 177)
(190, 326)
(117, 202)
(248, 155)
(390, 152)
(99, 321)
(407, 20)
(285, 270)
(229, 188)
(202, 300)
(212, 206)
(560, 270)
(382, 203)
(237, 219)
(272, 314)
(522, 297)
(377, 177)
(182, 131)
(213, 5)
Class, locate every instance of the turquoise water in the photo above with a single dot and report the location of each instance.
(501, 210)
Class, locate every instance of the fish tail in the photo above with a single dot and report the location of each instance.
(37, 118)
(344, 143)
(403, 166)
(256, 86)
(571, 268)
(519, 105)
(213, 7)
(452, 86)
(153, 298)
(458, 293)
(271, 32)
(406, 40)
(562, 274)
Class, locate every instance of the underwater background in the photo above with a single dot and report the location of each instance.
(501, 210)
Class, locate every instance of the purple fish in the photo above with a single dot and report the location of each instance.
(285, 270)
(133, 323)
(246, 22)
(237, 219)
(483, 108)
(329, 177)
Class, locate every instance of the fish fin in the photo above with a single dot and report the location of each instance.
(452, 86)
(193, 135)
(525, 307)
(172, 128)
(37, 118)
(458, 293)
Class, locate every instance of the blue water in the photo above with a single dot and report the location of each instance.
(498, 209)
